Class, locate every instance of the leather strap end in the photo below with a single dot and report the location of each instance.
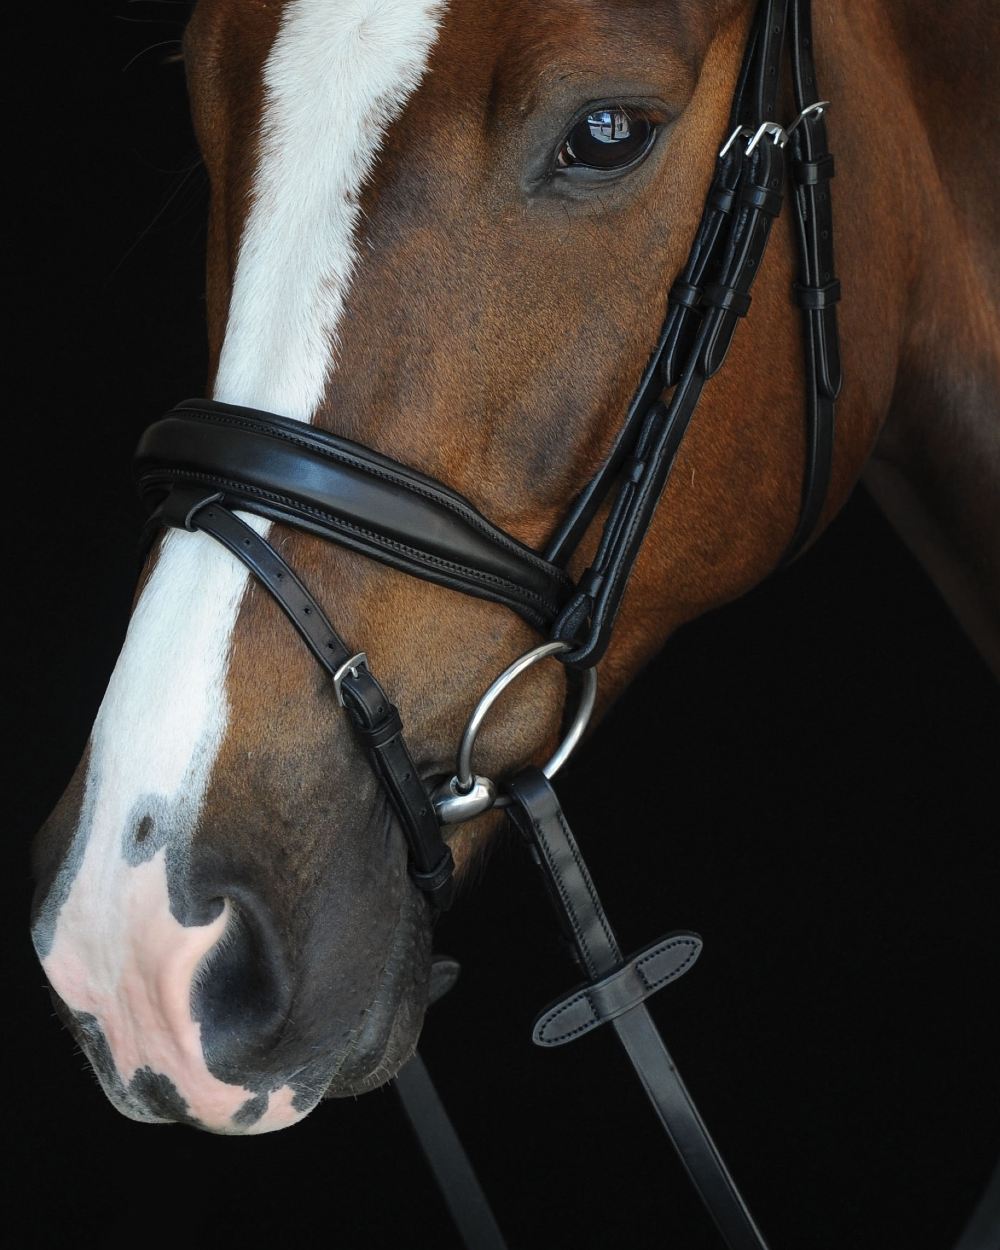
(438, 883)
(820, 307)
(640, 976)
(717, 341)
(182, 504)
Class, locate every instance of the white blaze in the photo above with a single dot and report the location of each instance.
(337, 74)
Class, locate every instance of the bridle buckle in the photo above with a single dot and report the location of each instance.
(778, 134)
(352, 668)
(775, 132)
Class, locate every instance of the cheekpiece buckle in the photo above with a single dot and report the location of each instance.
(351, 667)
(778, 134)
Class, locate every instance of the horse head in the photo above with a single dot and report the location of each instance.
(446, 232)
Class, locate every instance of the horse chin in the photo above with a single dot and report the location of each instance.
(388, 1035)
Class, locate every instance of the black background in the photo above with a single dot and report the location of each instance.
(807, 779)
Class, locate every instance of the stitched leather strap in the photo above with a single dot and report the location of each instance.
(640, 976)
(539, 817)
(374, 716)
(982, 1232)
(291, 472)
(817, 289)
(723, 265)
(442, 1148)
(673, 347)
(706, 302)
(440, 1144)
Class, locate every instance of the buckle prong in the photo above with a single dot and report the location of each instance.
(811, 110)
(778, 134)
(740, 130)
(352, 667)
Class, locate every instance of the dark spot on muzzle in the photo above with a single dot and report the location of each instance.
(158, 1096)
(251, 1111)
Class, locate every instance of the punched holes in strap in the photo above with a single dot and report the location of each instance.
(374, 716)
(640, 976)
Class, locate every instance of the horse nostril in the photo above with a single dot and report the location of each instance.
(241, 993)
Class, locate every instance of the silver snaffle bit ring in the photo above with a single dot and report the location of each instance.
(480, 791)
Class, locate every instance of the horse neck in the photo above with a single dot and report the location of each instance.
(935, 471)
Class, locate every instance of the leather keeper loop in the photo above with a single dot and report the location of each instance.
(723, 199)
(809, 173)
(640, 976)
(288, 471)
(685, 294)
(816, 297)
(378, 735)
(438, 883)
(726, 298)
(183, 503)
(764, 198)
(591, 582)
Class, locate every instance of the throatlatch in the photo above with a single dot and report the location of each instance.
(206, 460)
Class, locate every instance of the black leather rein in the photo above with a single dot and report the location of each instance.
(206, 461)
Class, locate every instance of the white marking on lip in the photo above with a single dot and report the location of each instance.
(335, 78)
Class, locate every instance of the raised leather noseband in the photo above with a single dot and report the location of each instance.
(291, 472)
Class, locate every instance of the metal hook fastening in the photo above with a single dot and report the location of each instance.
(778, 134)
(811, 110)
(740, 130)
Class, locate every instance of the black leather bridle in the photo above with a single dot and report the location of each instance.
(205, 461)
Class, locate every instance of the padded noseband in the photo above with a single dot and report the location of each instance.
(291, 472)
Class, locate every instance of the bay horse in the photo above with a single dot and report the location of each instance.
(411, 245)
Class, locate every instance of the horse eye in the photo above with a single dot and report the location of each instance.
(609, 138)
